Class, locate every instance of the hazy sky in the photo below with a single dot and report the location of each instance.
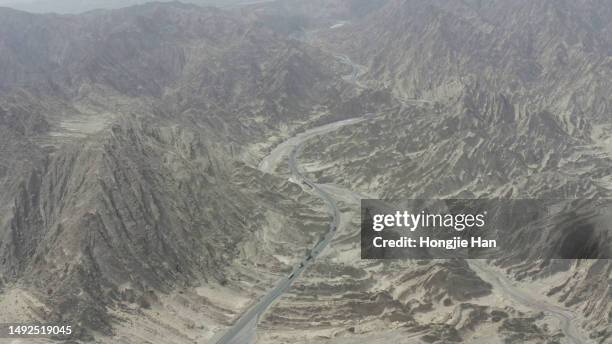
(77, 6)
(84, 2)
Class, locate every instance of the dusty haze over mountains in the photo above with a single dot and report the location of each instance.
(79, 6)
(177, 173)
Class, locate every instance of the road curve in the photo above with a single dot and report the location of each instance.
(243, 330)
(565, 317)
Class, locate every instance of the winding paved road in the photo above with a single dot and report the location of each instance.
(567, 318)
(244, 330)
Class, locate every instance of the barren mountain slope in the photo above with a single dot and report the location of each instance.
(480, 147)
(553, 55)
(123, 181)
(515, 105)
(130, 204)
